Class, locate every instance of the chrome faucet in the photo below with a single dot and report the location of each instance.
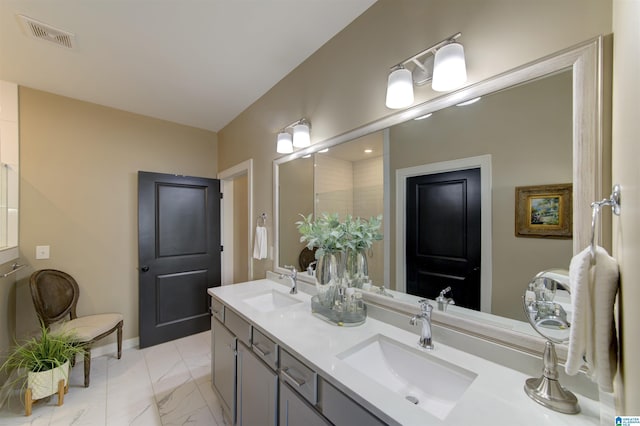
(293, 277)
(442, 301)
(311, 268)
(425, 317)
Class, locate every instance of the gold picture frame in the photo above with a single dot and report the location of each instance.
(544, 211)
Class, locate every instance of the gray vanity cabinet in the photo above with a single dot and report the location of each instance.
(257, 390)
(295, 411)
(224, 362)
(259, 383)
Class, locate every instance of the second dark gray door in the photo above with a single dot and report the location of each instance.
(178, 254)
(443, 236)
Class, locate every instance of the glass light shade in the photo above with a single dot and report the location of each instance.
(285, 144)
(399, 89)
(301, 135)
(449, 68)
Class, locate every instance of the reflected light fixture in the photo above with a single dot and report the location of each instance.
(285, 143)
(422, 117)
(295, 135)
(443, 64)
(470, 101)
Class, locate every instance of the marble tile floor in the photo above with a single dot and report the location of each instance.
(167, 384)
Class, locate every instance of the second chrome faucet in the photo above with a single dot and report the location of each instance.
(293, 277)
(424, 316)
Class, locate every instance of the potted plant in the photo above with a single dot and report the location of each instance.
(341, 249)
(40, 365)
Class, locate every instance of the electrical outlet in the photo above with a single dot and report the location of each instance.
(42, 252)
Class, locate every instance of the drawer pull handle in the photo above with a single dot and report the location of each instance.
(261, 352)
(289, 377)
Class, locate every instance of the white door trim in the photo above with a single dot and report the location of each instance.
(484, 163)
(226, 177)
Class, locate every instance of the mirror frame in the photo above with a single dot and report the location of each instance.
(586, 62)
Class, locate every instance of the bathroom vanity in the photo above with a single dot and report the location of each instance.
(274, 362)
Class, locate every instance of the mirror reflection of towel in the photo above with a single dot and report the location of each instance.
(592, 341)
(260, 243)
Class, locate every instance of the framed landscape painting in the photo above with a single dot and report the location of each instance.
(544, 211)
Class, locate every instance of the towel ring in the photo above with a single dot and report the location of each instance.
(262, 219)
(614, 202)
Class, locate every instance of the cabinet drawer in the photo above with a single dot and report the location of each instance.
(299, 376)
(265, 348)
(238, 326)
(342, 410)
(217, 309)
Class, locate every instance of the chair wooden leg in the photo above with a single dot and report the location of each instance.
(87, 366)
(28, 402)
(61, 392)
(119, 332)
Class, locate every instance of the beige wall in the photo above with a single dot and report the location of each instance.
(7, 314)
(368, 201)
(296, 178)
(625, 171)
(79, 164)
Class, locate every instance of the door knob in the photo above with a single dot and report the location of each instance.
(145, 268)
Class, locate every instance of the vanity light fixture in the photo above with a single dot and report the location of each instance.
(443, 64)
(295, 135)
(368, 151)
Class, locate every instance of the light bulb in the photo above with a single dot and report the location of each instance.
(449, 68)
(399, 89)
(284, 146)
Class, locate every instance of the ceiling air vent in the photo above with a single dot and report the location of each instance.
(46, 32)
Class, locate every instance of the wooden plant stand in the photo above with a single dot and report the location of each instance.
(28, 401)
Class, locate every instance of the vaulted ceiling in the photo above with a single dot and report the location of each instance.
(194, 62)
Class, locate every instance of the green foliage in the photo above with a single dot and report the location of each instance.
(328, 234)
(45, 352)
(362, 233)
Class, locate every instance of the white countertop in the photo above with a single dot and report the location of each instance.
(496, 396)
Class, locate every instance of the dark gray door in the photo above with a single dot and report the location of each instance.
(178, 254)
(443, 236)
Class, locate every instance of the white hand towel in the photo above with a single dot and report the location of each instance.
(260, 243)
(592, 340)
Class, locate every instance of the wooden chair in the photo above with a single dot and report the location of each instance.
(55, 295)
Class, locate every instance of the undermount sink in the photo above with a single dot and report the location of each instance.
(428, 382)
(270, 300)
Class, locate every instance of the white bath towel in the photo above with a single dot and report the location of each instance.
(260, 243)
(593, 342)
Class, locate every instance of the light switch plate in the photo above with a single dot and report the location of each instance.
(42, 252)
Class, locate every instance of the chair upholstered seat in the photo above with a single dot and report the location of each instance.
(55, 295)
(89, 327)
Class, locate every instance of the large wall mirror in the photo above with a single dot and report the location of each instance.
(539, 124)
(9, 171)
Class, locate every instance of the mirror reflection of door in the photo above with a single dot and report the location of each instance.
(444, 235)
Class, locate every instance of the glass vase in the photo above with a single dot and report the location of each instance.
(329, 274)
(357, 267)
